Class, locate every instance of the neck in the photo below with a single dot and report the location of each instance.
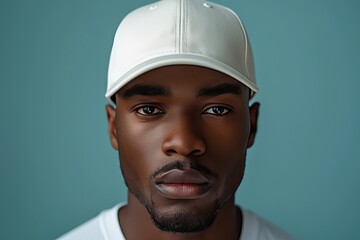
(136, 223)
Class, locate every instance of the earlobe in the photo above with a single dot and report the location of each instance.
(110, 114)
(254, 115)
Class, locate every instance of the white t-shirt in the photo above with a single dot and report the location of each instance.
(106, 227)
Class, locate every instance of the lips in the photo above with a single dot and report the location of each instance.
(182, 184)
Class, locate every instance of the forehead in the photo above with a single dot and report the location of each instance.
(184, 77)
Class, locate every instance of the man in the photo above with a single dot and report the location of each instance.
(180, 77)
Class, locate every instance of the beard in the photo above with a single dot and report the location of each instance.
(180, 221)
(183, 221)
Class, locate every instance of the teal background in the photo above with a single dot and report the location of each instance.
(57, 166)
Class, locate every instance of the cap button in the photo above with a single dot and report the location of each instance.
(207, 5)
(154, 6)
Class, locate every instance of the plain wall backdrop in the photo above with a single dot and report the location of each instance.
(58, 168)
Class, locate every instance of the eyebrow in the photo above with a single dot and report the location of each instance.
(146, 90)
(220, 89)
(150, 90)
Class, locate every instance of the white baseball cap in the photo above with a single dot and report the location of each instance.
(171, 32)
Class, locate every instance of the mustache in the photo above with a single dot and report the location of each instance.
(183, 165)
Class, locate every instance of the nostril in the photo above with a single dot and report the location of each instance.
(184, 148)
(170, 151)
(195, 153)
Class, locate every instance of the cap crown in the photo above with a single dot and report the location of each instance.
(172, 32)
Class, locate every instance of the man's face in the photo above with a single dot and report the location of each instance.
(182, 133)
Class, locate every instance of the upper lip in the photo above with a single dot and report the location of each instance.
(176, 176)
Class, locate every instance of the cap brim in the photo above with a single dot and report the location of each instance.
(173, 59)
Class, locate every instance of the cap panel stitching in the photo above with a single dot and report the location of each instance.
(176, 27)
(186, 13)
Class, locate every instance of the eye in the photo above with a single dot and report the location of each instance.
(217, 110)
(148, 110)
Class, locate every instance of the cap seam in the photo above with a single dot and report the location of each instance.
(244, 35)
(186, 12)
(181, 26)
(177, 27)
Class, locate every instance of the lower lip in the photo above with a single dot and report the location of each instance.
(183, 190)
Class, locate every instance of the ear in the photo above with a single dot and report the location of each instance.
(254, 114)
(110, 114)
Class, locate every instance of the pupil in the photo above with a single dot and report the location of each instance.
(216, 110)
(149, 110)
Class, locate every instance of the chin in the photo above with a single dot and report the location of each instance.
(183, 217)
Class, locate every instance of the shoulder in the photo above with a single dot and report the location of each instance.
(102, 227)
(256, 228)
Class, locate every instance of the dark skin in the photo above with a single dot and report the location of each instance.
(184, 114)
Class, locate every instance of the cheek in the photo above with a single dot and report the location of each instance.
(228, 145)
(138, 150)
(228, 138)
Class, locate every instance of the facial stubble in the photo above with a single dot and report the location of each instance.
(181, 220)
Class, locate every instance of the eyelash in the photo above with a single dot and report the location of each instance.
(225, 110)
(141, 110)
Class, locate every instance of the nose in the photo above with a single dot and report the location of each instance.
(183, 137)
